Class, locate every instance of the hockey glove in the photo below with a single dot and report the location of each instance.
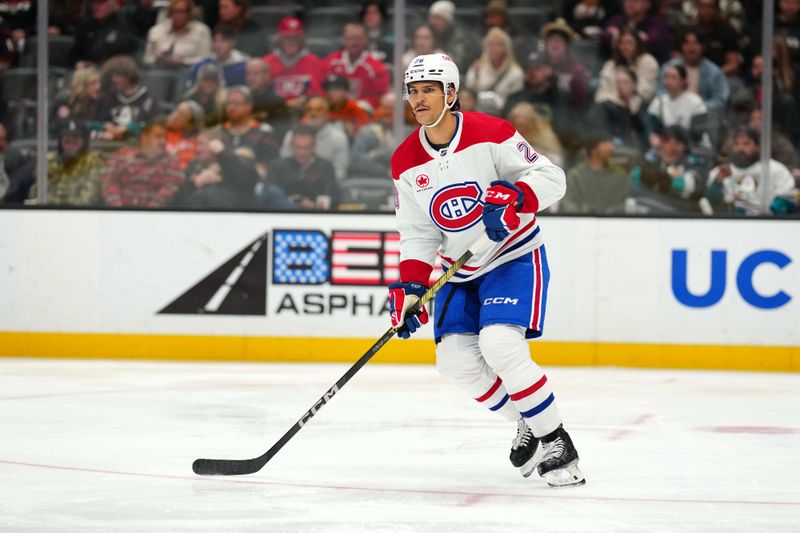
(401, 297)
(500, 206)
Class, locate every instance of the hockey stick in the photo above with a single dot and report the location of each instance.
(238, 467)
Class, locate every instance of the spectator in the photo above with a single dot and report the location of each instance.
(787, 25)
(250, 37)
(296, 72)
(344, 110)
(180, 41)
(145, 176)
(596, 185)
(368, 77)
(620, 112)
(380, 39)
(495, 15)
(720, 40)
(183, 125)
(730, 10)
(586, 17)
(73, 171)
(644, 17)
(331, 140)
(737, 185)
(703, 76)
(307, 179)
(496, 74)
(16, 171)
(628, 53)
(102, 36)
(208, 91)
(536, 129)
(66, 16)
(218, 178)
(139, 16)
(267, 106)
(783, 149)
(227, 58)
(423, 42)
(80, 102)
(128, 105)
(243, 133)
(375, 143)
(673, 171)
(571, 76)
(18, 18)
(469, 100)
(674, 106)
(450, 37)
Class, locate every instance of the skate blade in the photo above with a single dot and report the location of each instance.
(530, 467)
(569, 476)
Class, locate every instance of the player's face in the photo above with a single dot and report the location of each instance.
(426, 99)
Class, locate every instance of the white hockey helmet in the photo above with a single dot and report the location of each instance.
(432, 67)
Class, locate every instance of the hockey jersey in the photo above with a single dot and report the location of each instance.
(368, 77)
(298, 76)
(439, 195)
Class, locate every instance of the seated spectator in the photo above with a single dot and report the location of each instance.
(140, 15)
(296, 72)
(783, 149)
(181, 40)
(586, 17)
(209, 92)
(703, 77)
(787, 27)
(102, 36)
(375, 143)
(217, 178)
(17, 25)
(144, 176)
(65, 17)
(183, 125)
(307, 179)
(368, 77)
(17, 171)
(672, 170)
(644, 17)
(628, 53)
(73, 171)
(423, 42)
(674, 106)
(380, 39)
(730, 10)
(720, 40)
(536, 129)
(331, 140)
(736, 186)
(344, 110)
(596, 185)
(496, 74)
(128, 104)
(81, 101)
(9, 52)
(225, 56)
(245, 135)
(267, 106)
(250, 37)
(449, 36)
(619, 113)
(571, 77)
(469, 100)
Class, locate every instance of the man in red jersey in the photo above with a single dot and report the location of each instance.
(368, 77)
(457, 177)
(296, 72)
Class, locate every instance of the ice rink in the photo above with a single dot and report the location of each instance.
(108, 446)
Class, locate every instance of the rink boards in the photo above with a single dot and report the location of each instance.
(299, 287)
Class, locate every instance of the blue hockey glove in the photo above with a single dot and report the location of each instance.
(401, 297)
(500, 204)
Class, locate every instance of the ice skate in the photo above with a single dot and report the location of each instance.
(559, 463)
(525, 450)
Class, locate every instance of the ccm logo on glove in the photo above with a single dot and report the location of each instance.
(501, 202)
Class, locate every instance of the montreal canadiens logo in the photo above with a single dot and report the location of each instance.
(423, 181)
(457, 207)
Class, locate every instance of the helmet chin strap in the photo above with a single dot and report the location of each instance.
(445, 109)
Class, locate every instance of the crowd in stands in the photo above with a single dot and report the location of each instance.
(651, 106)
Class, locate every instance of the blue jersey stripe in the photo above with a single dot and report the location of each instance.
(501, 404)
(539, 408)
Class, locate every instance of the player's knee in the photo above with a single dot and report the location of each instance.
(458, 358)
(503, 346)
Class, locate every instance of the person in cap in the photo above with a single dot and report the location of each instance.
(296, 72)
(573, 78)
(225, 55)
(596, 185)
(460, 179)
(73, 170)
(344, 110)
(450, 36)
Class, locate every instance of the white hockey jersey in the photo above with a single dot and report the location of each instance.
(439, 196)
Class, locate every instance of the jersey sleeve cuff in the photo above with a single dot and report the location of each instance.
(415, 270)
(530, 202)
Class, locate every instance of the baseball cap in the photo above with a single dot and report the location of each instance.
(290, 26)
(336, 82)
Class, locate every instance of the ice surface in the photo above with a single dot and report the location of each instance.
(108, 446)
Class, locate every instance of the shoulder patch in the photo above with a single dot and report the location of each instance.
(482, 128)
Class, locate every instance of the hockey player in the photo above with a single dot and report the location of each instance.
(459, 175)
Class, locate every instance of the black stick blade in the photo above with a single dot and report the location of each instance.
(226, 467)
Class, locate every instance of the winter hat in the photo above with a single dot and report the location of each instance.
(444, 8)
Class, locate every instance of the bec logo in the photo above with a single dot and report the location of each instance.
(744, 279)
(457, 207)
